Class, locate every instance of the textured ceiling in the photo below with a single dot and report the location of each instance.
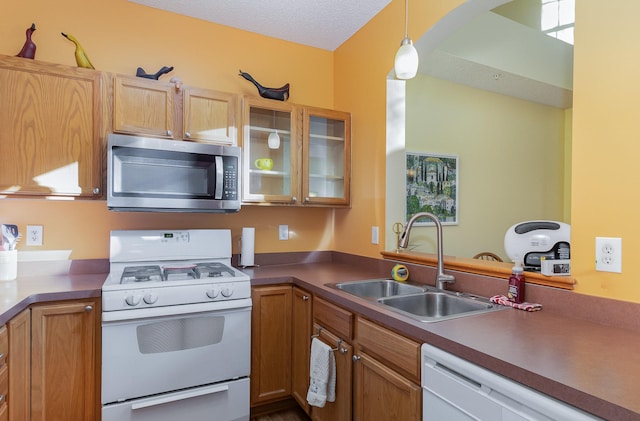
(324, 24)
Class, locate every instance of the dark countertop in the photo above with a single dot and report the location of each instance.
(590, 365)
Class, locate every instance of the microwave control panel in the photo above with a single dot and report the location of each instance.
(230, 182)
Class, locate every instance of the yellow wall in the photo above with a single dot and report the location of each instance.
(119, 36)
(606, 148)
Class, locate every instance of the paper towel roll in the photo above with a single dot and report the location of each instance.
(248, 246)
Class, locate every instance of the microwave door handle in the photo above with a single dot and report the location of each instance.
(219, 177)
(180, 396)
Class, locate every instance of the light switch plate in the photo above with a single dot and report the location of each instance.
(283, 232)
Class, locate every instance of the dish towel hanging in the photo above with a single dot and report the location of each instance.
(322, 373)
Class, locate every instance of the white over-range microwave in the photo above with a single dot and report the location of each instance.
(161, 175)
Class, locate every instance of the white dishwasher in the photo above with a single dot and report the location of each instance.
(454, 389)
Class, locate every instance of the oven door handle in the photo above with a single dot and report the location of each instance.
(180, 396)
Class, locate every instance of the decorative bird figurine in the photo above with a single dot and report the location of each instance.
(141, 73)
(29, 47)
(280, 94)
(81, 57)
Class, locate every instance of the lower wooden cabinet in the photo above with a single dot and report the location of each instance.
(382, 394)
(377, 370)
(270, 344)
(341, 408)
(301, 346)
(53, 370)
(20, 372)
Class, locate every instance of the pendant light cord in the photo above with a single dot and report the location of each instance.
(406, 19)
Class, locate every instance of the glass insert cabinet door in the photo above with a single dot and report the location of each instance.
(271, 152)
(326, 157)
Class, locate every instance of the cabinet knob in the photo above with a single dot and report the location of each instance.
(306, 200)
(187, 135)
(355, 358)
(88, 309)
(305, 298)
(96, 190)
(1, 355)
(1, 399)
(294, 199)
(169, 133)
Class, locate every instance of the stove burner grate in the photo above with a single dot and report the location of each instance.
(213, 270)
(141, 274)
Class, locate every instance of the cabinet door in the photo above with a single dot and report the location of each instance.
(209, 116)
(270, 344)
(280, 181)
(20, 366)
(340, 409)
(382, 394)
(50, 129)
(301, 346)
(63, 376)
(326, 157)
(143, 106)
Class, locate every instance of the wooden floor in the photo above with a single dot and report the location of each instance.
(285, 415)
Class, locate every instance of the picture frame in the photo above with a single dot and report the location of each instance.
(432, 185)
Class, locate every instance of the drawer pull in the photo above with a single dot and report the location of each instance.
(305, 298)
(355, 358)
(88, 309)
(1, 355)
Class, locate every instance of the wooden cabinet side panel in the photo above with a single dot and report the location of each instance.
(341, 408)
(383, 394)
(63, 361)
(393, 349)
(270, 344)
(20, 367)
(301, 346)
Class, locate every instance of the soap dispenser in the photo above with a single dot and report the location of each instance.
(516, 284)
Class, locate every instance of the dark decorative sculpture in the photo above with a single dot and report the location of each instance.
(141, 73)
(82, 59)
(29, 47)
(280, 94)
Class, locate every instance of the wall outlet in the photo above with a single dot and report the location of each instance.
(34, 235)
(374, 235)
(609, 254)
(283, 232)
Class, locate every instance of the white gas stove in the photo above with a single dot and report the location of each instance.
(166, 268)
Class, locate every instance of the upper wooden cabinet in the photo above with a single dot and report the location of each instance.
(165, 109)
(51, 138)
(311, 163)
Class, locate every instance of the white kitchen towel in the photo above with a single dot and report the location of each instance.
(322, 373)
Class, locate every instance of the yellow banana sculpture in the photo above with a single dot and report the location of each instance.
(81, 56)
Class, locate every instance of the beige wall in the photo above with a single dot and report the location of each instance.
(511, 156)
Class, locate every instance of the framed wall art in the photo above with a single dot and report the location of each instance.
(432, 186)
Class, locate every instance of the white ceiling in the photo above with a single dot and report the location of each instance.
(324, 24)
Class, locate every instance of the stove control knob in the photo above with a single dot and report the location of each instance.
(132, 300)
(226, 292)
(213, 293)
(150, 298)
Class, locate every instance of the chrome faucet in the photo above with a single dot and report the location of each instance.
(441, 278)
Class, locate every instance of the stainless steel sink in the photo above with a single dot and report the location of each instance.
(434, 306)
(378, 288)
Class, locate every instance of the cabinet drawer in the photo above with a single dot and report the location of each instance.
(4, 345)
(391, 348)
(334, 318)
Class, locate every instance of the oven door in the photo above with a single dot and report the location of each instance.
(149, 353)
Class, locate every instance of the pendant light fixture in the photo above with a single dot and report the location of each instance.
(406, 63)
(274, 138)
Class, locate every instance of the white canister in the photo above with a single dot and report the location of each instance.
(8, 265)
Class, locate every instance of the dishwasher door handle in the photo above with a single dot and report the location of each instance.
(180, 396)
